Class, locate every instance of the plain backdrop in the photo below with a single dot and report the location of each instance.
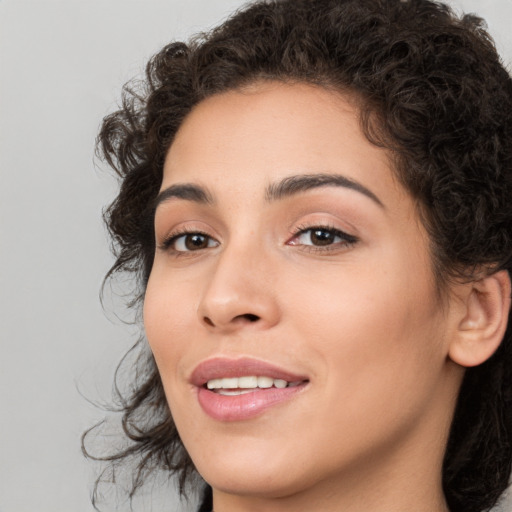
(62, 64)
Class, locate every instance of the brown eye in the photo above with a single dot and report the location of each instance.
(319, 236)
(196, 241)
(322, 237)
(188, 242)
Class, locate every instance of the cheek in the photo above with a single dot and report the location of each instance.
(377, 356)
(166, 313)
(370, 322)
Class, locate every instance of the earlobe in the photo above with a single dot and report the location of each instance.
(484, 320)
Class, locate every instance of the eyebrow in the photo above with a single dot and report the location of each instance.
(185, 191)
(300, 183)
(287, 187)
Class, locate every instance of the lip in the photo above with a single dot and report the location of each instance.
(219, 367)
(248, 405)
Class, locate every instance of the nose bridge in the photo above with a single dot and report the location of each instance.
(240, 288)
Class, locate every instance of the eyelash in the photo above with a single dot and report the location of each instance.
(170, 241)
(346, 239)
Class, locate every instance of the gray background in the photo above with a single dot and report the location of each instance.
(62, 64)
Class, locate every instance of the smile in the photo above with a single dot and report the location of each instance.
(241, 389)
(230, 386)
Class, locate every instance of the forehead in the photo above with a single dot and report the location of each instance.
(255, 136)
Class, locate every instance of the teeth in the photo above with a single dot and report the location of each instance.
(233, 392)
(214, 384)
(279, 383)
(265, 382)
(247, 382)
(239, 385)
(230, 383)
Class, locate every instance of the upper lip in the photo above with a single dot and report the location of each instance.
(220, 367)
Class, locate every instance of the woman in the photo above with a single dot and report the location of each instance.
(315, 200)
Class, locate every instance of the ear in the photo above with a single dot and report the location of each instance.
(483, 320)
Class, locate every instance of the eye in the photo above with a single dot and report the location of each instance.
(321, 236)
(190, 241)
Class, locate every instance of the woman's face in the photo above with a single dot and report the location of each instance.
(289, 255)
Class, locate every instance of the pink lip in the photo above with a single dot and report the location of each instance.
(219, 367)
(248, 405)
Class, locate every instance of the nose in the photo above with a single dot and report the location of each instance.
(240, 292)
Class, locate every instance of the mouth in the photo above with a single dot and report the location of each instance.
(232, 386)
(241, 389)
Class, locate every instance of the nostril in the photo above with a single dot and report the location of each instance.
(248, 317)
(251, 317)
(208, 321)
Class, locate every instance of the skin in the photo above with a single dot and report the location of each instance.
(363, 320)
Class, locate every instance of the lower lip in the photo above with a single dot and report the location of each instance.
(246, 406)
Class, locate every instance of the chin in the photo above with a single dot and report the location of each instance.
(255, 472)
(258, 484)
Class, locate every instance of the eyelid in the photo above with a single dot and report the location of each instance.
(170, 238)
(347, 239)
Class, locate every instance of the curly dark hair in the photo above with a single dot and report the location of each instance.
(433, 92)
